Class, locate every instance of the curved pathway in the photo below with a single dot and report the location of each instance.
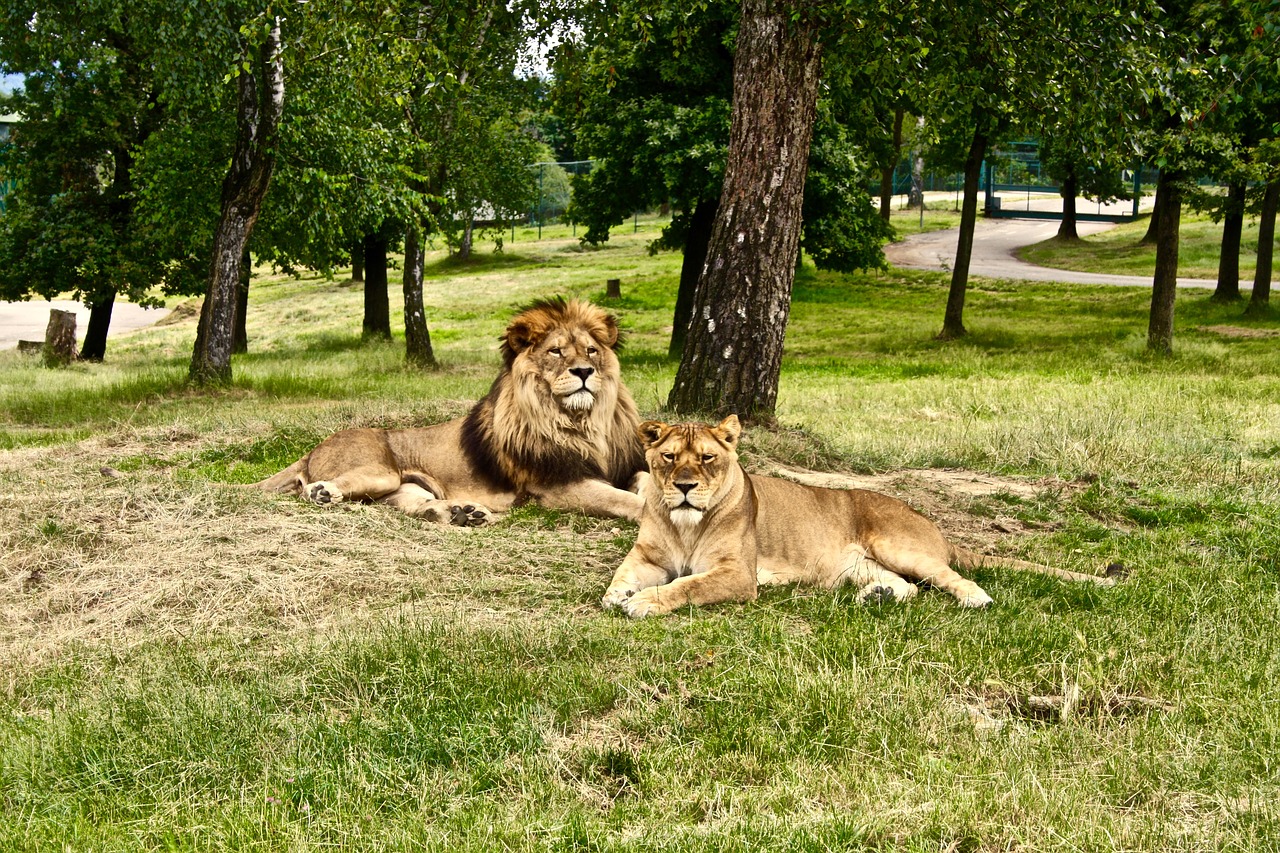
(994, 244)
(27, 321)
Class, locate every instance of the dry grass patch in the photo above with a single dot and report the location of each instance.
(153, 552)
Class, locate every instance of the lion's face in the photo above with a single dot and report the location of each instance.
(692, 464)
(566, 350)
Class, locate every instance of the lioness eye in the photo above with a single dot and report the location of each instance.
(670, 457)
(708, 457)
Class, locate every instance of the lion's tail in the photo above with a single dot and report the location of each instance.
(966, 559)
(288, 481)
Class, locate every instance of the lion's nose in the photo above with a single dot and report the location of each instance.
(582, 372)
(686, 488)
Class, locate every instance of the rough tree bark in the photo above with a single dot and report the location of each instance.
(259, 103)
(1069, 192)
(887, 168)
(953, 320)
(1228, 289)
(240, 336)
(695, 258)
(60, 338)
(377, 306)
(1259, 300)
(1164, 284)
(733, 354)
(417, 338)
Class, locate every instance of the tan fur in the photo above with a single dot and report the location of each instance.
(557, 426)
(732, 531)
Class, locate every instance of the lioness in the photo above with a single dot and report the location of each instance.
(557, 426)
(710, 532)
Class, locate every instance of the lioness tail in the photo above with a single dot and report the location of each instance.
(966, 559)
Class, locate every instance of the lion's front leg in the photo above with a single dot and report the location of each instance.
(414, 500)
(594, 497)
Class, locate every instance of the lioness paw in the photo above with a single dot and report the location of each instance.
(469, 515)
(644, 603)
(876, 594)
(615, 595)
(324, 492)
(976, 599)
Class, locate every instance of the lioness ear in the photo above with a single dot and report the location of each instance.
(730, 430)
(650, 432)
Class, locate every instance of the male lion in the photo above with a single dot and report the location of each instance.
(710, 532)
(557, 426)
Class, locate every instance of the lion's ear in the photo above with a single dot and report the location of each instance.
(650, 432)
(520, 336)
(610, 338)
(730, 429)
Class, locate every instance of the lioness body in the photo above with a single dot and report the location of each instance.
(557, 426)
(711, 532)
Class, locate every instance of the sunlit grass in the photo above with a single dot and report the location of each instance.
(190, 666)
(1120, 250)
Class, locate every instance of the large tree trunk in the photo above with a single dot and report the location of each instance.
(733, 354)
(260, 101)
(1259, 300)
(377, 305)
(696, 241)
(94, 347)
(240, 337)
(953, 321)
(1069, 191)
(417, 338)
(1164, 285)
(887, 168)
(1228, 289)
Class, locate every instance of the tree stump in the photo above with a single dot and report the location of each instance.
(31, 346)
(60, 338)
(613, 288)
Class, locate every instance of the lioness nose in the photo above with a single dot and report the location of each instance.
(582, 372)
(686, 487)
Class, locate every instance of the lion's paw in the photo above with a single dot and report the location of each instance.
(323, 492)
(645, 603)
(469, 515)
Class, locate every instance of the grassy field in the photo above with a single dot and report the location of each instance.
(187, 665)
(1120, 250)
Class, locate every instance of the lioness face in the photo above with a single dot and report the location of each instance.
(691, 464)
(573, 361)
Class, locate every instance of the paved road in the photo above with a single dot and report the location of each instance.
(994, 241)
(27, 320)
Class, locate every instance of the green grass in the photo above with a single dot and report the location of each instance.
(188, 666)
(1120, 250)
